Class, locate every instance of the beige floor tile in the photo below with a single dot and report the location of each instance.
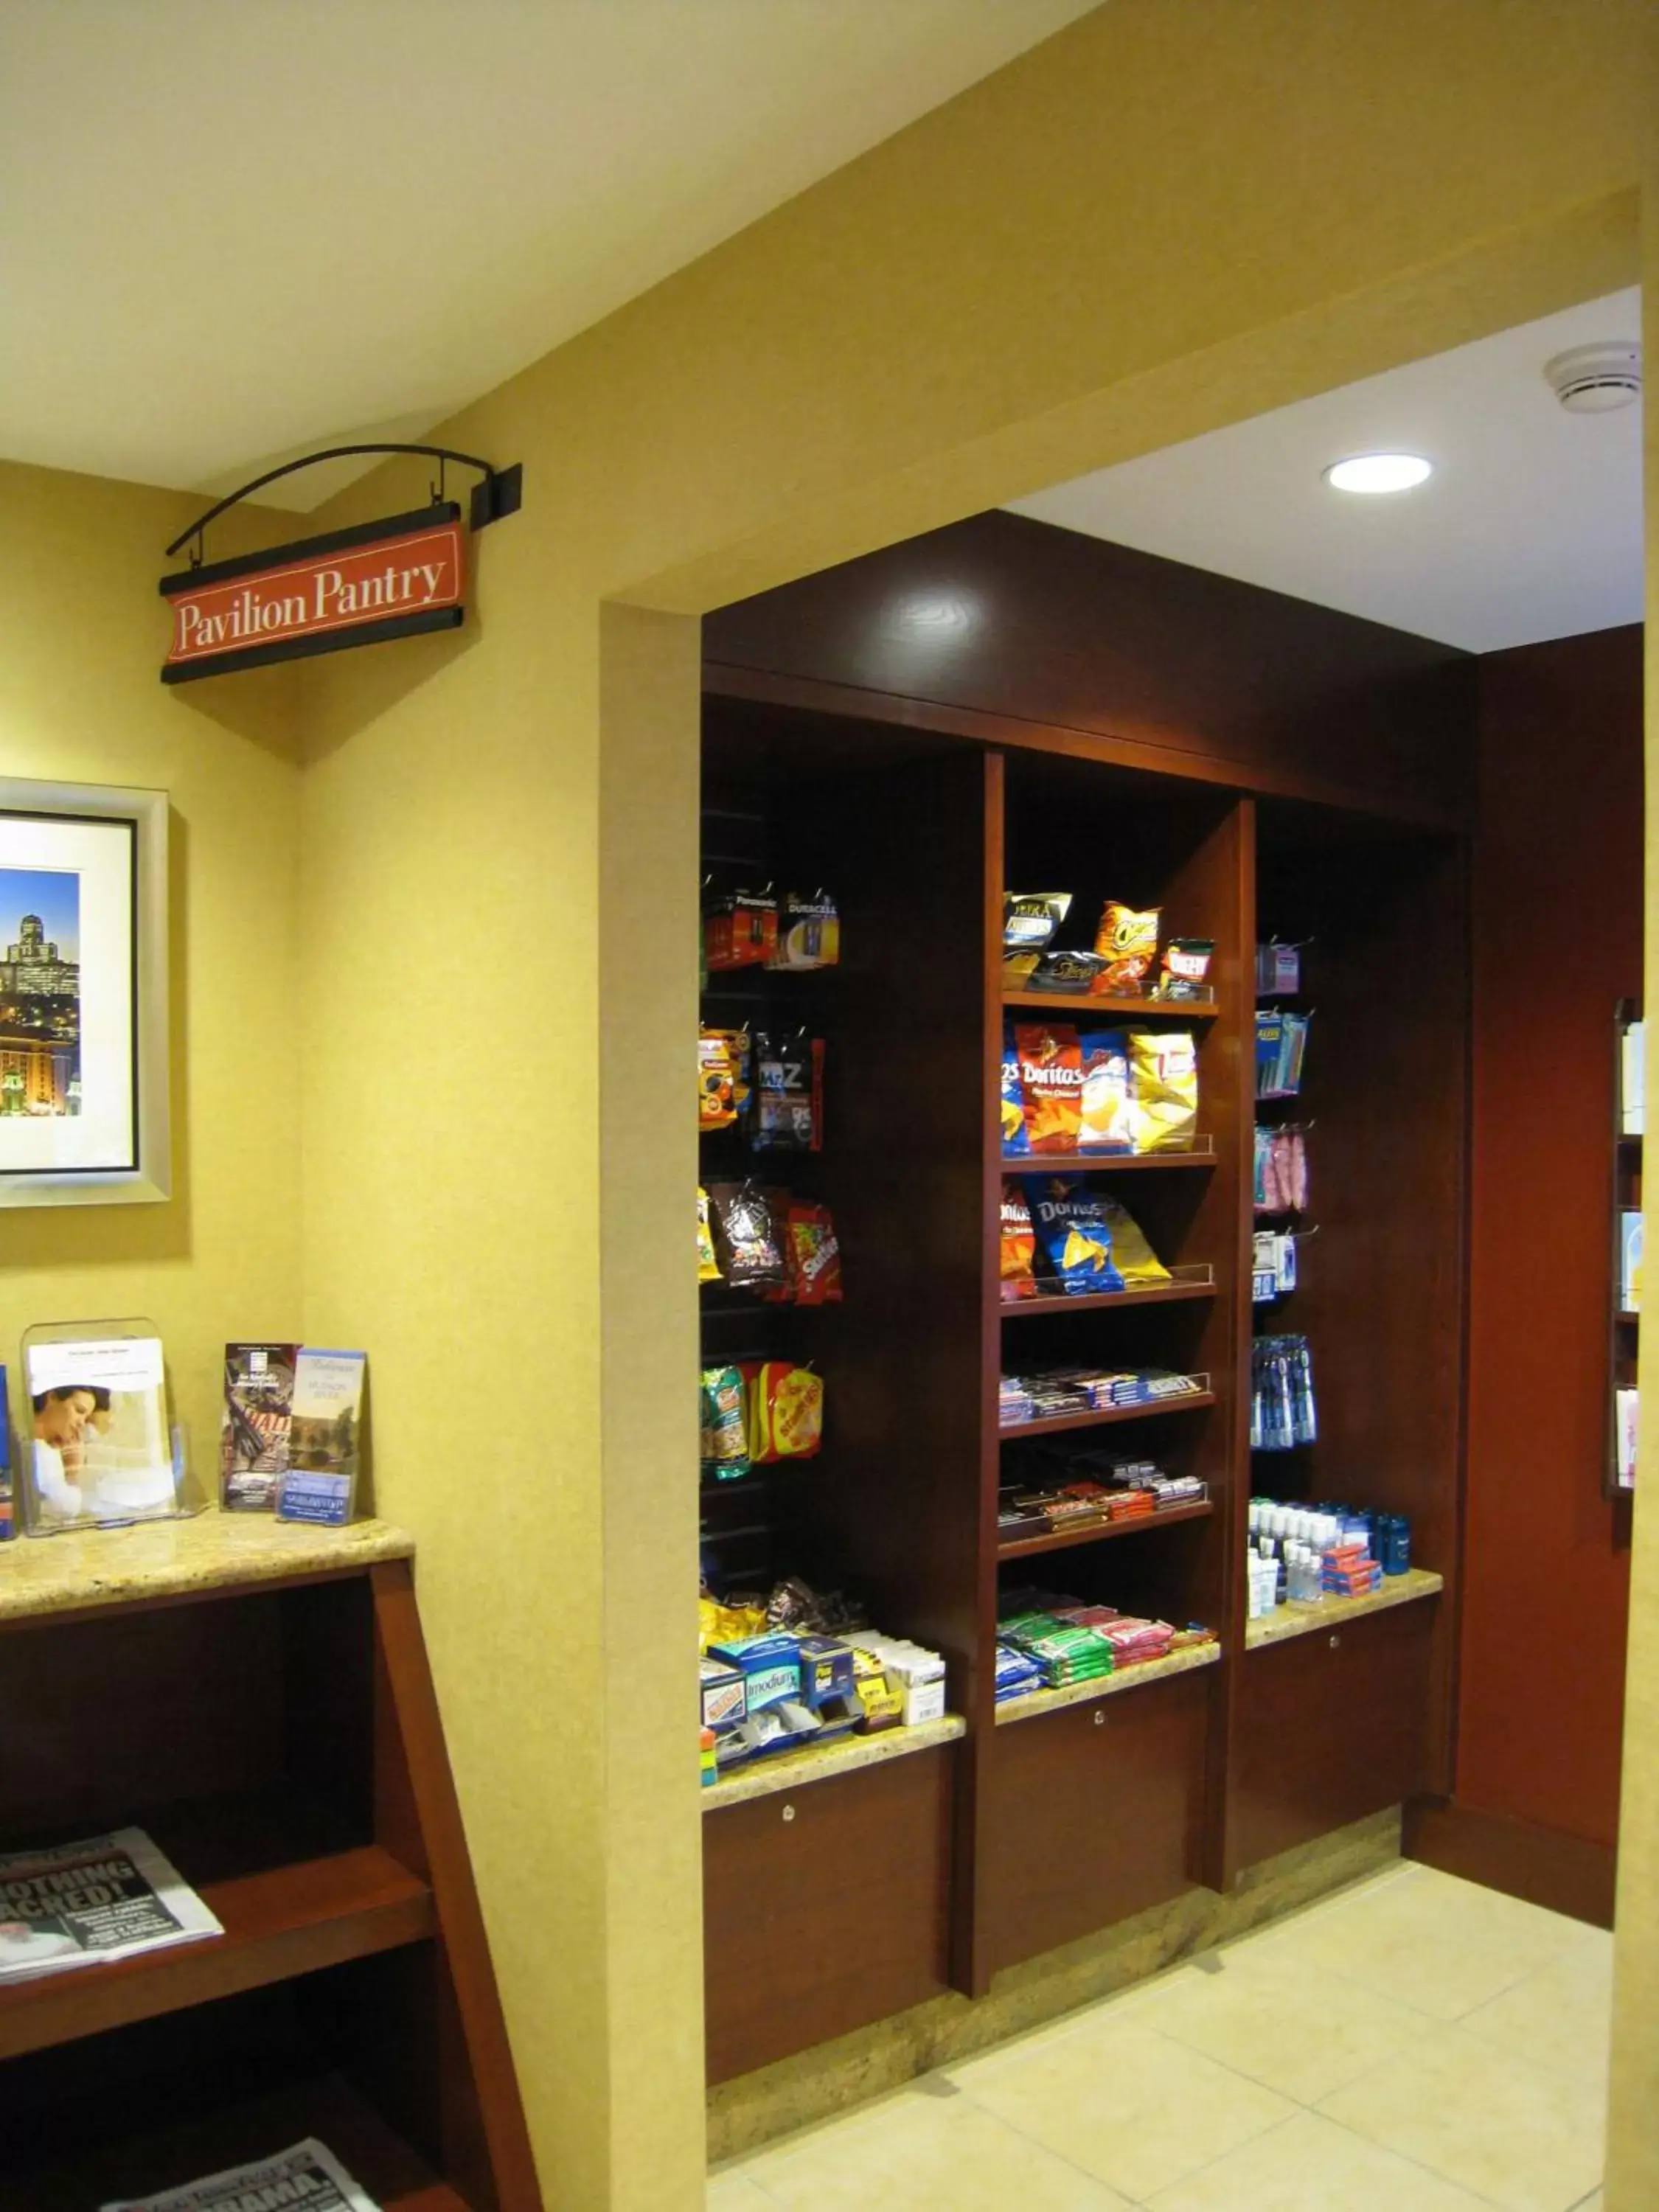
(1561, 2016)
(732, 2191)
(1286, 2023)
(1125, 2103)
(911, 2153)
(1518, 2134)
(1309, 2164)
(1426, 1940)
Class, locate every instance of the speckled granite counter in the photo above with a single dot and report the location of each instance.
(1108, 1686)
(790, 1769)
(179, 1558)
(1288, 1620)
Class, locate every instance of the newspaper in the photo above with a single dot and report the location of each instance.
(307, 2177)
(87, 1903)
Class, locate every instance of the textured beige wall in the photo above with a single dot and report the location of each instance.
(1166, 219)
(80, 702)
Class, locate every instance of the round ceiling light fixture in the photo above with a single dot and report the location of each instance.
(1379, 472)
(1594, 380)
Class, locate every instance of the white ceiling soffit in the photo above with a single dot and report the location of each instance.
(234, 230)
(1530, 526)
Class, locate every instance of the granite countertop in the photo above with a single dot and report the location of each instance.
(789, 1770)
(91, 1567)
(1107, 1685)
(1288, 1620)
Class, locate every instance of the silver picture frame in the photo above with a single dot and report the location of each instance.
(136, 939)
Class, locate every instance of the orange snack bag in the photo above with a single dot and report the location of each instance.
(1019, 1244)
(1051, 1077)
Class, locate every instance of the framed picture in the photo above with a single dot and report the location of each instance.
(83, 995)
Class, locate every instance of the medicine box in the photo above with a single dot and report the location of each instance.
(725, 1694)
(770, 1666)
(826, 1670)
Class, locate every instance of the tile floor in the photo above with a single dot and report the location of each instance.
(1413, 2045)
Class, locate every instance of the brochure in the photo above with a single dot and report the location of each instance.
(308, 2174)
(101, 1447)
(88, 1904)
(254, 1435)
(322, 1442)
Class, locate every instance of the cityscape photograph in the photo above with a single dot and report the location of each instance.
(40, 992)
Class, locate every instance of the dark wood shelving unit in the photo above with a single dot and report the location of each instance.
(259, 1701)
(1623, 1326)
(1289, 772)
(1100, 1416)
(1140, 1524)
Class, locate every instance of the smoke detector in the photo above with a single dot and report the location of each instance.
(1594, 380)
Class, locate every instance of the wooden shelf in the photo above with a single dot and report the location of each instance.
(395, 2175)
(1096, 1417)
(1102, 1163)
(290, 1920)
(1159, 1294)
(1038, 1702)
(1102, 1532)
(848, 1754)
(1286, 1621)
(1075, 1002)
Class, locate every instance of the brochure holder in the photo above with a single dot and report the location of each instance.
(99, 1448)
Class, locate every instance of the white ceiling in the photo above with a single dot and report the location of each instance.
(237, 228)
(1529, 528)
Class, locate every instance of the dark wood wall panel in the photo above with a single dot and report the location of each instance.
(1022, 623)
(1558, 940)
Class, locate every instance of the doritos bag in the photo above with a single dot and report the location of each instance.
(1014, 1138)
(1075, 1232)
(1019, 1244)
(1051, 1078)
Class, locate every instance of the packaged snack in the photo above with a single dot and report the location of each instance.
(716, 1080)
(741, 931)
(746, 1237)
(1051, 1079)
(789, 1095)
(1131, 1255)
(1019, 1244)
(1074, 972)
(725, 1444)
(1187, 966)
(1014, 1138)
(786, 1410)
(1018, 969)
(809, 932)
(813, 1255)
(1164, 1081)
(1107, 1123)
(1126, 941)
(1030, 919)
(1075, 1232)
(708, 1267)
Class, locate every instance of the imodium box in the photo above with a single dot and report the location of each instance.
(770, 1666)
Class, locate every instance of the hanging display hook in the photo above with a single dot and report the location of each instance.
(500, 493)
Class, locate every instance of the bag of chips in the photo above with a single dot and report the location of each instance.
(809, 932)
(786, 1410)
(747, 1239)
(1014, 1138)
(1075, 1232)
(708, 1267)
(1131, 1255)
(741, 931)
(1019, 1244)
(1030, 919)
(1187, 966)
(724, 1425)
(1126, 941)
(717, 1080)
(1051, 1080)
(788, 1094)
(1076, 973)
(1163, 1080)
(1108, 1123)
(814, 1253)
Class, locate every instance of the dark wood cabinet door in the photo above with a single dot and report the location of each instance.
(825, 1908)
(1331, 1726)
(1092, 1814)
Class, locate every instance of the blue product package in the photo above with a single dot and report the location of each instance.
(324, 1498)
(1074, 1229)
(1015, 1141)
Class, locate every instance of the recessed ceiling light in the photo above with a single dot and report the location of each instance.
(1375, 472)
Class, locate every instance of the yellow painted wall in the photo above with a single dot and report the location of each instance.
(1169, 217)
(80, 702)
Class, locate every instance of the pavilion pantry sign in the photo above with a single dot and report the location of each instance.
(398, 577)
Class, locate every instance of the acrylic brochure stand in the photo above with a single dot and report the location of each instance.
(98, 1448)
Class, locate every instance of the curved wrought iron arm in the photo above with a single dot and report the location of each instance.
(495, 484)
